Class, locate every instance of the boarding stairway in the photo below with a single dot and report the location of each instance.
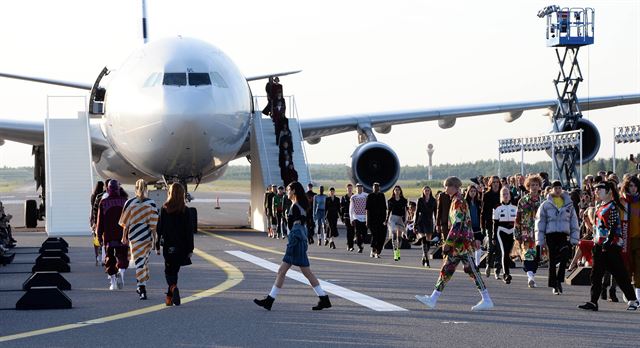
(265, 169)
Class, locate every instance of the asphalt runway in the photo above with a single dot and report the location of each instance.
(227, 317)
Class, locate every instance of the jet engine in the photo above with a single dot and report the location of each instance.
(590, 139)
(375, 162)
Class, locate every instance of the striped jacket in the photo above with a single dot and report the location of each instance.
(139, 218)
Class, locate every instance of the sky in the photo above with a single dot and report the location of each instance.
(356, 57)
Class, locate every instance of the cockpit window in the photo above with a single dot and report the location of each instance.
(218, 81)
(199, 79)
(174, 79)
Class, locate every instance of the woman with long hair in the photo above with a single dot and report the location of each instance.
(175, 234)
(475, 208)
(296, 253)
(396, 218)
(139, 220)
(424, 226)
(607, 252)
(490, 201)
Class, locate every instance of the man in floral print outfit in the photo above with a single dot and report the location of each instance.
(458, 247)
(526, 225)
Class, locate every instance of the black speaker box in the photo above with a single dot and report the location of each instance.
(48, 278)
(51, 264)
(44, 297)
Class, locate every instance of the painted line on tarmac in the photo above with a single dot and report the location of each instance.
(347, 294)
(268, 250)
(234, 277)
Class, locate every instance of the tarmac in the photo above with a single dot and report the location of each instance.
(373, 302)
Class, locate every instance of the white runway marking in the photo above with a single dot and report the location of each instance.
(12, 202)
(356, 297)
(222, 200)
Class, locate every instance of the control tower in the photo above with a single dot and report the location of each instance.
(567, 30)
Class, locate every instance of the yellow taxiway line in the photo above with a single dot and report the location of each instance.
(234, 277)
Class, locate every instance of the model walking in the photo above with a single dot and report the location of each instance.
(296, 253)
(333, 212)
(396, 219)
(139, 220)
(528, 206)
(458, 247)
(424, 226)
(504, 219)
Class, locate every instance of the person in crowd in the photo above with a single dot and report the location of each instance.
(358, 215)
(268, 210)
(475, 209)
(139, 220)
(285, 133)
(6, 238)
(320, 216)
(311, 224)
(110, 234)
(278, 113)
(504, 219)
(271, 95)
(528, 207)
(607, 252)
(296, 252)
(333, 212)
(278, 212)
(396, 220)
(96, 203)
(490, 201)
(289, 174)
(411, 218)
(631, 225)
(557, 227)
(584, 252)
(97, 193)
(458, 247)
(285, 157)
(376, 215)
(424, 225)
(345, 206)
(286, 206)
(175, 235)
(545, 180)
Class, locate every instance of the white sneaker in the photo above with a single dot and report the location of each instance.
(483, 305)
(371, 254)
(427, 300)
(532, 283)
(112, 281)
(120, 280)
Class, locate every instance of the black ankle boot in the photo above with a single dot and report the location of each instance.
(265, 303)
(322, 303)
(603, 295)
(613, 297)
(142, 291)
(332, 245)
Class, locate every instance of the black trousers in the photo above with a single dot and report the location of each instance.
(361, 231)
(280, 225)
(378, 236)
(333, 226)
(493, 253)
(559, 254)
(171, 268)
(609, 260)
(505, 240)
(351, 234)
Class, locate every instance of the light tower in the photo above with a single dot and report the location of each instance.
(430, 151)
(568, 28)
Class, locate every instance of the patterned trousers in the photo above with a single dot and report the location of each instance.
(449, 267)
(140, 251)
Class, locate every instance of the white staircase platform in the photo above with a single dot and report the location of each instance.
(68, 173)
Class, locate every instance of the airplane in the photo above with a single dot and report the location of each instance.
(179, 109)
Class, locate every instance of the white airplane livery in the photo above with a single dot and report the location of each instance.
(178, 109)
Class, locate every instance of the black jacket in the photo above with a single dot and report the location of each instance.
(490, 200)
(442, 212)
(332, 207)
(175, 230)
(376, 208)
(425, 210)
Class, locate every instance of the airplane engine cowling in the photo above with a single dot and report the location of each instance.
(375, 162)
(446, 123)
(590, 140)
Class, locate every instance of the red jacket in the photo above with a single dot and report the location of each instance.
(109, 212)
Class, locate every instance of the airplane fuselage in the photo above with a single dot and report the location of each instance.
(178, 108)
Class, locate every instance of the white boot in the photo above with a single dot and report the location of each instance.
(112, 280)
(477, 255)
(429, 301)
(638, 294)
(120, 278)
(532, 279)
(485, 303)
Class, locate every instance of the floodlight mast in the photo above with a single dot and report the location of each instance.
(568, 29)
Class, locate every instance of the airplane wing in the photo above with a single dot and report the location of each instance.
(32, 133)
(71, 84)
(314, 129)
(262, 77)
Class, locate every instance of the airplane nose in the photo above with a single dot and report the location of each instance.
(186, 113)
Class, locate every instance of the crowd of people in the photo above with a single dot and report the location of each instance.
(129, 229)
(499, 221)
(276, 109)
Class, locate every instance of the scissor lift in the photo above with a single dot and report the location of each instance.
(568, 29)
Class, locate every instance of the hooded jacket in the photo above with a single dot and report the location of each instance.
(550, 219)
